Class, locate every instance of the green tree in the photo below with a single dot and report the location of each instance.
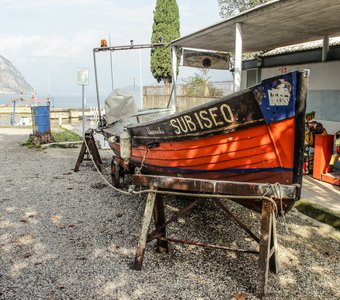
(232, 7)
(165, 26)
(199, 86)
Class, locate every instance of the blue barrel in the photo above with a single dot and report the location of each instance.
(41, 119)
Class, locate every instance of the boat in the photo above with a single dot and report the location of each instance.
(255, 135)
(252, 136)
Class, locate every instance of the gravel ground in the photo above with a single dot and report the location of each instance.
(65, 235)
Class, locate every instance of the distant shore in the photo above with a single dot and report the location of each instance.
(56, 113)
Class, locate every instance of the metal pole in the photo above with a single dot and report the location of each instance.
(238, 57)
(83, 107)
(97, 89)
(174, 78)
(325, 47)
(140, 78)
(13, 115)
(112, 85)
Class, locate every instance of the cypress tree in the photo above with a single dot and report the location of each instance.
(166, 25)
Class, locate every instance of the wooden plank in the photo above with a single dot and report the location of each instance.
(265, 242)
(94, 152)
(91, 147)
(80, 157)
(150, 202)
(159, 218)
(213, 186)
(274, 261)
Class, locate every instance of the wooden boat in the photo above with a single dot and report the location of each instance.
(255, 135)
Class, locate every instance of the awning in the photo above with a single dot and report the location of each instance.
(275, 24)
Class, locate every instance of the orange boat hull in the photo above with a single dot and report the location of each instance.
(251, 154)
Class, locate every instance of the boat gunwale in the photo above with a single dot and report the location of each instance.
(198, 107)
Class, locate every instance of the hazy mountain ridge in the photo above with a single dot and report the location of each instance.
(11, 80)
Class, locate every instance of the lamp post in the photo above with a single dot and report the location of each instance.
(83, 79)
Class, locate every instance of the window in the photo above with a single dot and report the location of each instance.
(251, 77)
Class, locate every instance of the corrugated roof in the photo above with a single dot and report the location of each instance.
(334, 41)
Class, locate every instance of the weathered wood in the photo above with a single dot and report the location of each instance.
(213, 186)
(80, 157)
(159, 219)
(153, 235)
(268, 255)
(265, 242)
(90, 149)
(66, 144)
(274, 261)
(94, 149)
(150, 202)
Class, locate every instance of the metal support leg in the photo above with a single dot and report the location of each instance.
(265, 242)
(159, 218)
(150, 202)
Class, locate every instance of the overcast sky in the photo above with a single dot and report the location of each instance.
(49, 40)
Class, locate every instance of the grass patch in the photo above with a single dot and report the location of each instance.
(319, 213)
(66, 136)
(60, 135)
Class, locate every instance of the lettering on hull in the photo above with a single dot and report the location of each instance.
(226, 114)
(204, 119)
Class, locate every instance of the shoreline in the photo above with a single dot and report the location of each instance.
(55, 113)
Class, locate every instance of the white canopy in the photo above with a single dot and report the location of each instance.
(275, 24)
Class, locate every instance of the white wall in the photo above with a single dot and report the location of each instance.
(323, 76)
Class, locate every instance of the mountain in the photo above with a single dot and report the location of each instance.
(11, 80)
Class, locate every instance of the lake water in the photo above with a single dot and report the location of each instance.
(68, 101)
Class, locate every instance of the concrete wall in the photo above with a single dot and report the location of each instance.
(56, 113)
(323, 90)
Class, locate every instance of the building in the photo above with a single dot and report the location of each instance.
(324, 81)
(276, 25)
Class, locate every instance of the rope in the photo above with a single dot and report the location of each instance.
(131, 190)
(139, 170)
(278, 194)
(100, 173)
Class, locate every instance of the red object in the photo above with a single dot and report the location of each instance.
(322, 154)
(332, 178)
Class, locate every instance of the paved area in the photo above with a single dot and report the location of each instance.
(321, 193)
(321, 201)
